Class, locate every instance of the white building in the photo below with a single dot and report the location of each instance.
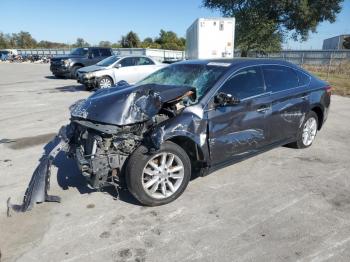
(210, 38)
(334, 43)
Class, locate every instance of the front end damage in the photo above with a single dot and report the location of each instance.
(104, 131)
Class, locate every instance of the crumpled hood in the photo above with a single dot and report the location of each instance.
(91, 68)
(127, 104)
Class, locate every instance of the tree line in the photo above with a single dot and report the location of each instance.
(261, 26)
(165, 40)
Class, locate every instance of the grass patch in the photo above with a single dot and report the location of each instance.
(338, 77)
(340, 83)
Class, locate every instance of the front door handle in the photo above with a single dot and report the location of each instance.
(263, 109)
(305, 97)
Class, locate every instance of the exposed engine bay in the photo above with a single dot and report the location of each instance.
(104, 131)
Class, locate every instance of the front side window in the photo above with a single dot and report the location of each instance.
(108, 61)
(201, 77)
(279, 78)
(245, 83)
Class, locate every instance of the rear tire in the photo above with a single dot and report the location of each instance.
(163, 185)
(307, 131)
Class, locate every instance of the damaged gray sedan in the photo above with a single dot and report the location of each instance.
(190, 118)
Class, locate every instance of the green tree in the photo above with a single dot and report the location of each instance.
(22, 40)
(263, 25)
(346, 42)
(105, 44)
(4, 41)
(170, 40)
(81, 43)
(130, 40)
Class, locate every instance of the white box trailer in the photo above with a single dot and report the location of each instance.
(210, 38)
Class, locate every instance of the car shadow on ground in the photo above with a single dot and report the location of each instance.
(56, 78)
(71, 88)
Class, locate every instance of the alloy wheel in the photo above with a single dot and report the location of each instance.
(309, 131)
(105, 83)
(162, 175)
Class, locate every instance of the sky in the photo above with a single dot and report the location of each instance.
(65, 20)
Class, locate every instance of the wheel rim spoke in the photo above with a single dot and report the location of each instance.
(175, 169)
(150, 172)
(175, 176)
(170, 160)
(163, 188)
(163, 160)
(171, 186)
(154, 165)
(155, 187)
(151, 182)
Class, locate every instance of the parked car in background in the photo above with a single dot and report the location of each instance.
(7, 54)
(68, 65)
(113, 69)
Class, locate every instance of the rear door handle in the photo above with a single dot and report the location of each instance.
(263, 109)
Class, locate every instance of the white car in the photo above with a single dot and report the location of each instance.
(113, 69)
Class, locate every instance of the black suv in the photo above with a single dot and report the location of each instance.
(68, 65)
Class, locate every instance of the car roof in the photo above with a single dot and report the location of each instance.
(237, 62)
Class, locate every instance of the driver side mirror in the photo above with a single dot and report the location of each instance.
(118, 66)
(223, 99)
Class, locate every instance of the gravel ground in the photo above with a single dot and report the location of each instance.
(283, 205)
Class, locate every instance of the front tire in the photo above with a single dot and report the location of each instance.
(74, 72)
(307, 132)
(158, 178)
(105, 82)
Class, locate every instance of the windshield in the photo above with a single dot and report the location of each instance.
(201, 77)
(108, 61)
(79, 51)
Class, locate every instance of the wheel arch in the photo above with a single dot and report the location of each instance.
(193, 150)
(320, 115)
(77, 64)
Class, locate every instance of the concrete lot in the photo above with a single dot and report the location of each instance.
(283, 205)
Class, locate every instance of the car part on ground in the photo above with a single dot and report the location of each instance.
(40, 182)
(191, 116)
(113, 69)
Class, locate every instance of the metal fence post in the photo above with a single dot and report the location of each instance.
(302, 58)
(329, 65)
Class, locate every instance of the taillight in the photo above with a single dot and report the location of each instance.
(328, 90)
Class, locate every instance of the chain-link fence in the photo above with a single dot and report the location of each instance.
(158, 54)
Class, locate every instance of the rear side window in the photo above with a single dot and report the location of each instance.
(245, 83)
(105, 52)
(144, 61)
(304, 79)
(279, 78)
(95, 53)
(129, 61)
